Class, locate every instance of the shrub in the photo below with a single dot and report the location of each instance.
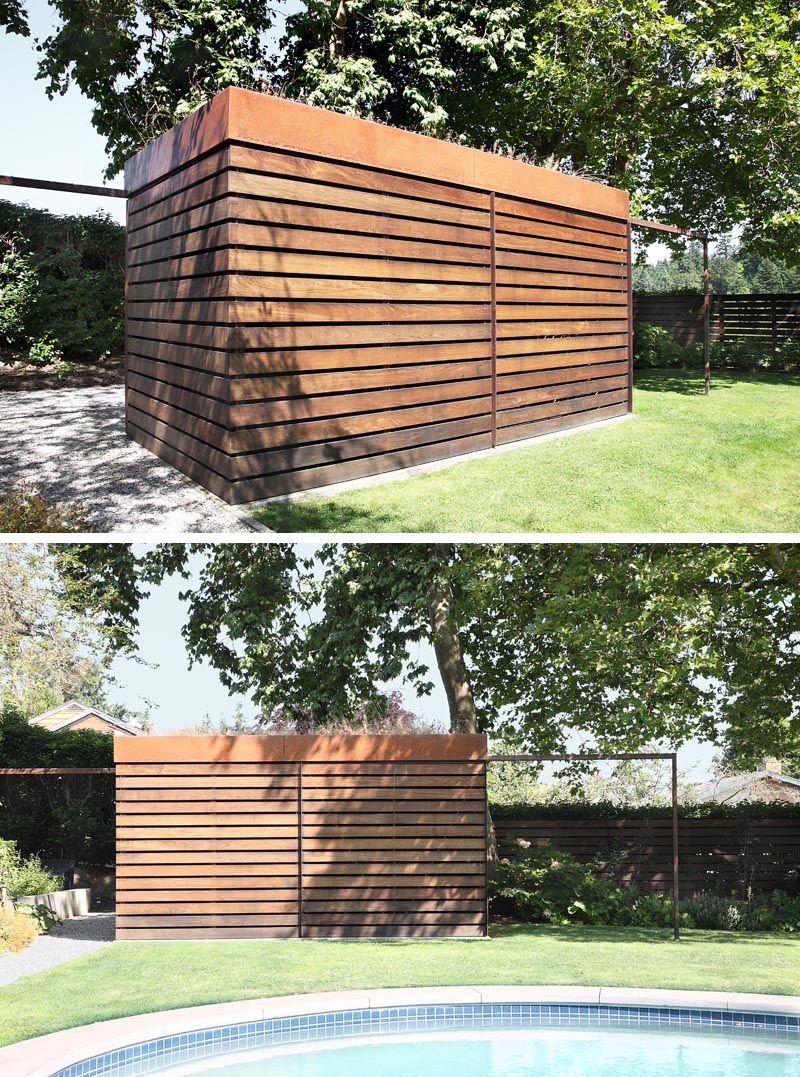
(654, 347)
(24, 512)
(16, 931)
(546, 885)
(24, 745)
(19, 285)
(717, 913)
(780, 911)
(21, 877)
(46, 351)
(65, 816)
(61, 283)
(41, 917)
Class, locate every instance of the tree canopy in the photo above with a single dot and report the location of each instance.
(145, 64)
(614, 646)
(731, 270)
(693, 108)
(49, 650)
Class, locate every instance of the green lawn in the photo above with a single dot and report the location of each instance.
(684, 463)
(131, 978)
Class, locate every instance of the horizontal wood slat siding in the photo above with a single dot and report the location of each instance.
(295, 320)
(256, 837)
(395, 851)
(724, 856)
(561, 360)
(233, 860)
(760, 317)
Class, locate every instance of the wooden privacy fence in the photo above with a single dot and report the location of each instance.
(772, 319)
(262, 836)
(313, 298)
(723, 856)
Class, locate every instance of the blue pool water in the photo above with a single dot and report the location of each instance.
(606, 1053)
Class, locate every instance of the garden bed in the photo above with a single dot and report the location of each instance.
(18, 377)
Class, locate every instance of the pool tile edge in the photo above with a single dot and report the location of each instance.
(42, 1056)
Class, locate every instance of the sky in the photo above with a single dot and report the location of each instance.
(44, 139)
(181, 696)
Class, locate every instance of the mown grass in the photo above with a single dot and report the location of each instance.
(685, 463)
(132, 978)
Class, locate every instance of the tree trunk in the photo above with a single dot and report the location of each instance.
(336, 41)
(447, 645)
(450, 659)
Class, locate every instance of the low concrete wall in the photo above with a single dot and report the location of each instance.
(63, 904)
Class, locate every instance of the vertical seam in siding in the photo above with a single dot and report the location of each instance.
(493, 311)
(300, 850)
(629, 251)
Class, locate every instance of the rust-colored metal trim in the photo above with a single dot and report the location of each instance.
(592, 757)
(636, 222)
(71, 188)
(493, 310)
(245, 748)
(676, 922)
(261, 119)
(706, 321)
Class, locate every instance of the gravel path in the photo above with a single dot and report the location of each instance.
(72, 938)
(70, 445)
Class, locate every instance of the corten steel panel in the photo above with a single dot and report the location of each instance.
(256, 836)
(313, 297)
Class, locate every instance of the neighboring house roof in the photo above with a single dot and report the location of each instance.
(758, 785)
(74, 713)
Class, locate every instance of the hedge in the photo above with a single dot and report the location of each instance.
(62, 285)
(604, 809)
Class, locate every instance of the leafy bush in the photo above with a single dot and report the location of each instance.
(16, 931)
(39, 915)
(24, 512)
(62, 283)
(19, 285)
(69, 816)
(24, 745)
(654, 347)
(546, 885)
(45, 352)
(717, 913)
(21, 877)
(780, 911)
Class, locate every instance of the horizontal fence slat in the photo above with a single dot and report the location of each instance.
(233, 847)
(295, 320)
(726, 856)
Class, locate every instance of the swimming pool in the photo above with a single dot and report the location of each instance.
(474, 1039)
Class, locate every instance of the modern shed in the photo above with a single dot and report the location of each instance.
(300, 836)
(313, 298)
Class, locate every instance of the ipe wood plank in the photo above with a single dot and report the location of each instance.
(403, 856)
(304, 308)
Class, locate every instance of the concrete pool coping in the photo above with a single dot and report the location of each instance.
(42, 1056)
